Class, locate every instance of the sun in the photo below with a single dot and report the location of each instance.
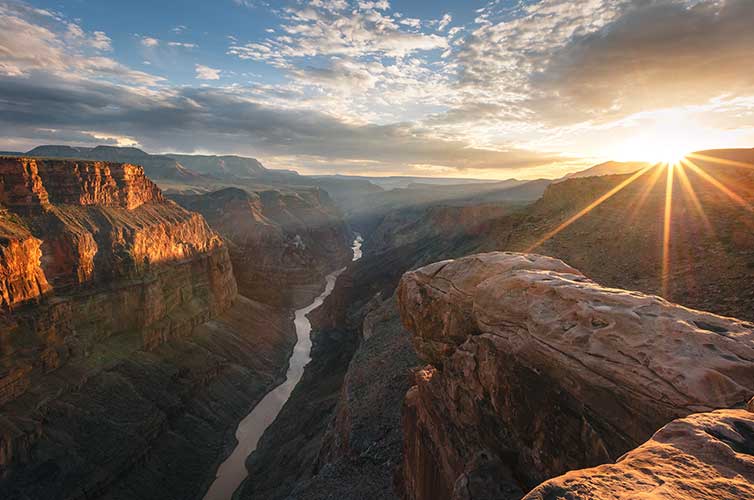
(663, 137)
(659, 146)
(667, 152)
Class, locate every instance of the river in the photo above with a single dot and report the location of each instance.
(232, 471)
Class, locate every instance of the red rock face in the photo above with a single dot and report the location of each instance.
(75, 183)
(21, 276)
(21, 184)
(536, 370)
(707, 456)
(89, 250)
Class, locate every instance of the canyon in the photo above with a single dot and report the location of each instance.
(496, 340)
(128, 352)
(349, 441)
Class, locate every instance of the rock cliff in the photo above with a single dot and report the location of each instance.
(282, 242)
(706, 456)
(120, 324)
(339, 435)
(536, 370)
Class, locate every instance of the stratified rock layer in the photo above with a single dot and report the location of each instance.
(536, 370)
(90, 251)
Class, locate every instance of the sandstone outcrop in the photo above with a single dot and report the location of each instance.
(536, 370)
(706, 456)
(282, 242)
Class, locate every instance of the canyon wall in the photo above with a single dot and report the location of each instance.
(611, 228)
(535, 370)
(282, 242)
(124, 346)
(339, 435)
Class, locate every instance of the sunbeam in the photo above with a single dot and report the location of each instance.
(599, 201)
(636, 208)
(689, 190)
(719, 185)
(720, 161)
(666, 228)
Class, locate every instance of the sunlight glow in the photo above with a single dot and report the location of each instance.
(659, 147)
(688, 188)
(719, 185)
(720, 161)
(666, 229)
(667, 139)
(599, 201)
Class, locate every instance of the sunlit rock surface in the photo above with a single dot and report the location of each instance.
(98, 274)
(536, 370)
(706, 456)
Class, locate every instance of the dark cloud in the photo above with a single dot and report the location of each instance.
(188, 119)
(656, 54)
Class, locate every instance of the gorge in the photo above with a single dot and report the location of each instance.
(376, 250)
(278, 355)
(232, 471)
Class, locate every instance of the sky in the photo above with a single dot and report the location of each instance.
(452, 88)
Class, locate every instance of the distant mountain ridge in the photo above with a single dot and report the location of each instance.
(225, 165)
(200, 173)
(609, 168)
(156, 166)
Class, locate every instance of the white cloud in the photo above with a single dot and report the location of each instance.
(378, 5)
(184, 45)
(100, 41)
(149, 41)
(444, 22)
(206, 73)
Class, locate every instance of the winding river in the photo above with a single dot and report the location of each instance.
(232, 471)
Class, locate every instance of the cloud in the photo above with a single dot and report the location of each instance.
(206, 73)
(27, 46)
(149, 41)
(184, 45)
(34, 41)
(444, 22)
(379, 5)
(363, 87)
(188, 119)
(358, 60)
(560, 62)
(658, 54)
(322, 29)
(251, 4)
